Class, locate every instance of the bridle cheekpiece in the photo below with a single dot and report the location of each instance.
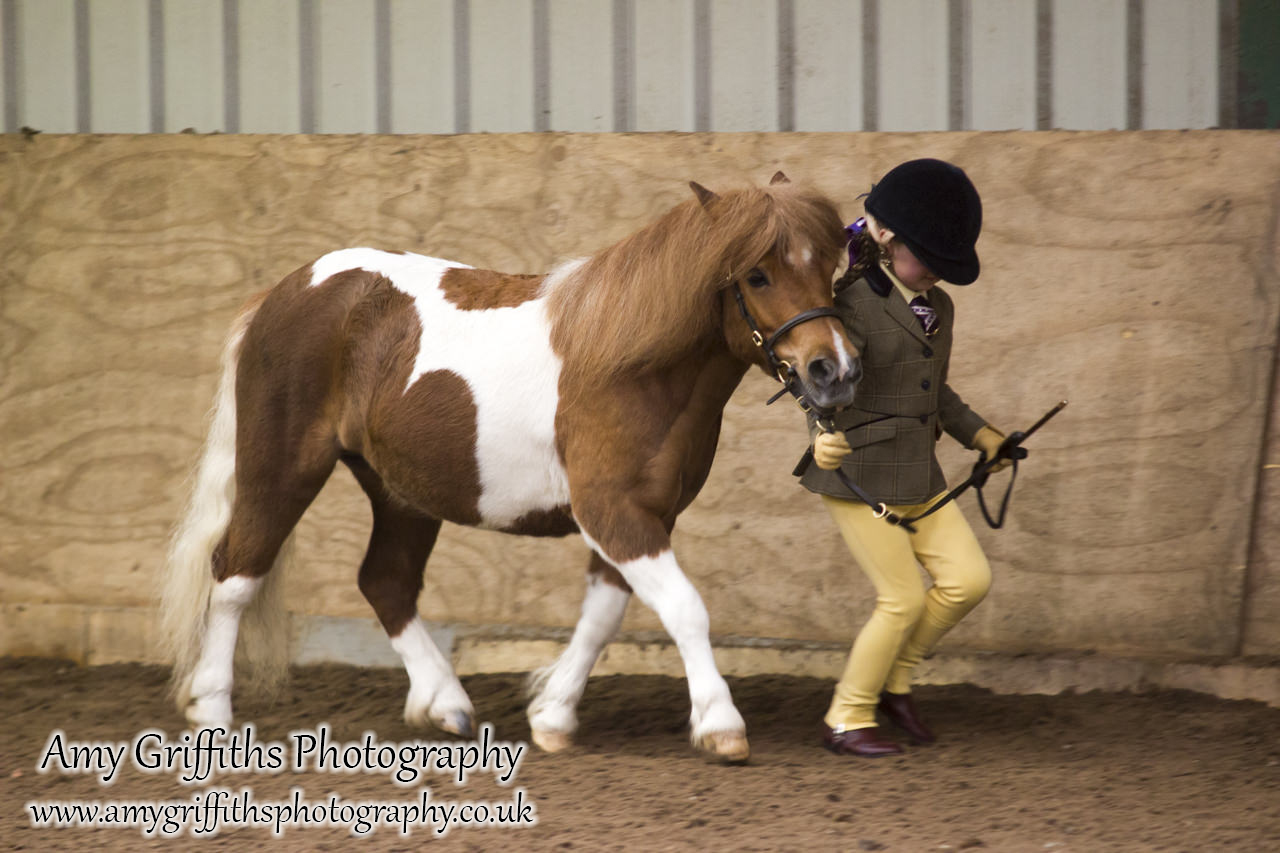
(782, 369)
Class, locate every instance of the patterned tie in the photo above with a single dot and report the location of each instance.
(925, 314)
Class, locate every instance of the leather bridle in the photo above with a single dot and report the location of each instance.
(782, 369)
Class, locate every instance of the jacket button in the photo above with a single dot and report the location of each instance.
(928, 352)
(925, 384)
(924, 419)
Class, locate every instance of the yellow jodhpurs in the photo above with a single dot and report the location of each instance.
(908, 621)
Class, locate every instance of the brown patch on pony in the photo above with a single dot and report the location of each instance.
(401, 541)
(391, 427)
(607, 573)
(638, 455)
(646, 300)
(423, 446)
(478, 290)
(287, 448)
(380, 338)
(545, 522)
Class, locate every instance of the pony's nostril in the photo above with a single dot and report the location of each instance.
(855, 371)
(822, 371)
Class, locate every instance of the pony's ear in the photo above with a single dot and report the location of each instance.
(779, 178)
(705, 196)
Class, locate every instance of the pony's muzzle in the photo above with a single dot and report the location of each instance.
(831, 385)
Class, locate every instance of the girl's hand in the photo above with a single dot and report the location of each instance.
(988, 440)
(830, 449)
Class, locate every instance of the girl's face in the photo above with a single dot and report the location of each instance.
(906, 266)
(909, 270)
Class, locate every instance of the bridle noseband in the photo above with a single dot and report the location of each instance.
(783, 370)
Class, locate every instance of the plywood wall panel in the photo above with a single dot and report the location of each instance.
(127, 257)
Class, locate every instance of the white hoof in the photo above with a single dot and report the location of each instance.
(458, 723)
(451, 714)
(729, 747)
(549, 741)
(210, 712)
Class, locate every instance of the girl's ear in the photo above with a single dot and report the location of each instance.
(878, 233)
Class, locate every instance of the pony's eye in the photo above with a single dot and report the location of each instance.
(756, 278)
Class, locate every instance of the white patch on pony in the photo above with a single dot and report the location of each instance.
(505, 357)
(408, 265)
(211, 681)
(435, 694)
(845, 358)
(800, 257)
(659, 583)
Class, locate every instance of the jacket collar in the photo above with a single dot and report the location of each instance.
(898, 309)
(880, 283)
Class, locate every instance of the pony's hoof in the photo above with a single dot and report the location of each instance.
(549, 741)
(456, 723)
(209, 714)
(727, 747)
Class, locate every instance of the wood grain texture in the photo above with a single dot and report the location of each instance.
(1131, 273)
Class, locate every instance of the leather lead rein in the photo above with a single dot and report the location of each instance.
(1011, 448)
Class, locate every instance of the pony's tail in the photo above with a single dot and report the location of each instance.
(188, 575)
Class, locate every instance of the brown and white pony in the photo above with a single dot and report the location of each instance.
(585, 400)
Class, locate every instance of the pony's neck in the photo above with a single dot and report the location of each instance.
(647, 301)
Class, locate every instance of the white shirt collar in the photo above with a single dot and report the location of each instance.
(907, 293)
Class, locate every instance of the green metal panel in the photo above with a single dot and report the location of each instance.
(1258, 104)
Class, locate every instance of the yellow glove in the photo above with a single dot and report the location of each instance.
(988, 440)
(830, 449)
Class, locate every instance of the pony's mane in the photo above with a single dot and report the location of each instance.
(649, 298)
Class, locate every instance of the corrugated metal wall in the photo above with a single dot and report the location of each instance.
(447, 66)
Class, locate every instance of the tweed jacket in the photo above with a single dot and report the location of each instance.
(903, 403)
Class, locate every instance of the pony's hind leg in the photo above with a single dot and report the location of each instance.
(252, 484)
(209, 695)
(557, 689)
(391, 579)
(262, 521)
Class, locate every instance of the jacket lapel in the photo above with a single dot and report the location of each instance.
(895, 306)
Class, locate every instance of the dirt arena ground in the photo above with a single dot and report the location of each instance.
(1167, 771)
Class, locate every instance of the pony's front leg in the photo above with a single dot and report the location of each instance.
(655, 577)
(557, 689)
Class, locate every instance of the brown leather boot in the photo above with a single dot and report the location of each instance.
(864, 742)
(900, 709)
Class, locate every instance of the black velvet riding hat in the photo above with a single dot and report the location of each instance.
(933, 207)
